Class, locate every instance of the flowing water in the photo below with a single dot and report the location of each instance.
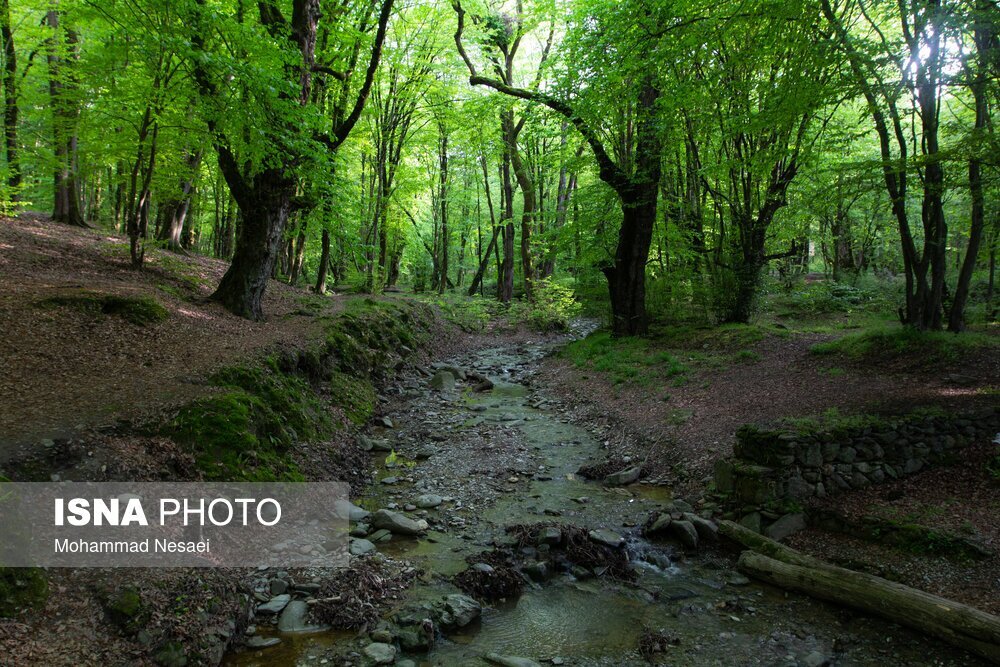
(714, 615)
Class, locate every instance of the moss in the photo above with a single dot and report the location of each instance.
(624, 360)
(21, 588)
(140, 310)
(126, 610)
(234, 436)
(355, 396)
(888, 344)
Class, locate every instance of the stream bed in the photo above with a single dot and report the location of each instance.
(510, 455)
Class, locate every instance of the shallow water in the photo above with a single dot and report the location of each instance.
(599, 622)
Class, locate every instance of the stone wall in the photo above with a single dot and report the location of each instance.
(797, 462)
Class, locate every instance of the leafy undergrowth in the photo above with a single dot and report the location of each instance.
(21, 588)
(249, 430)
(139, 309)
(892, 344)
(553, 308)
(625, 360)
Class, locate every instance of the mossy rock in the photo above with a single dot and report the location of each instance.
(126, 610)
(21, 588)
(141, 310)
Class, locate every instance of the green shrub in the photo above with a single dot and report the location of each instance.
(888, 344)
(553, 308)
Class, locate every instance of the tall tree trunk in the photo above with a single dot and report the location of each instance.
(10, 102)
(65, 112)
(487, 256)
(443, 200)
(324, 263)
(627, 278)
(527, 187)
(984, 40)
(505, 285)
(177, 209)
(300, 253)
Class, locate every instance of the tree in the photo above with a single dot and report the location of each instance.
(265, 188)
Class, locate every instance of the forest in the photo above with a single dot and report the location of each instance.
(682, 312)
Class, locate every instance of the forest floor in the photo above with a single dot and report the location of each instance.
(689, 389)
(673, 401)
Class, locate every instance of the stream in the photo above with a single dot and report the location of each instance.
(509, 456)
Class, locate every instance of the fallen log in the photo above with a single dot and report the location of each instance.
(961, 625)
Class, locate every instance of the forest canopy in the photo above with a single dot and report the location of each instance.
(656, 159)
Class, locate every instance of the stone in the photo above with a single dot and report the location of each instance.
(384, 422)
(397, 524)
(262, 642)
(509, 660)
(274, 605)
(785, 526)
(608, 538)
(752, 521)
(294, 617)
(361, 546)
(278, 586)
(685, 532)
(830, 451)
(815, 659)
(380, 654)
(381, 535)
(443, 381)
(681, 505)
(459, 611)
(706, 529)
(799, 487)
(550, 535)
(538, 571)
(847, 455)
(485, 568)
(428, 501)
(813, 456)
(351, 511)
(623, 477)
(405, 663)
(170, 654)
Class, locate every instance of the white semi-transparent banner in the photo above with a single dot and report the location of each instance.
(173, 524)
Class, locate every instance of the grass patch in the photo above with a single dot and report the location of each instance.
(355, 396)
(625, 360)
(722, 337)
(140, 310)
(894, 343)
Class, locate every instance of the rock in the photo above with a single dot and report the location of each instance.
(606, 537)
(443, 381)
(685, 532)
(509, 660)
(485, 568)
(815, 659)
(459, 611)
(751, 521)
(380, 654)
(405, 663)
(381, 535)
(361, 546)
(623, 477)
(262, 642)
(293, 618)
(785, 526)
(389, 480)
(170, 654)
(550, 535)
(397, 524)
(737, 579)
(681, 505)
(428, 501)
(309, 587)
(274, 605)
(278, 586)
(483, 385)
(537, 571)
(384, 422)
(707, 530)
(351, 511)
(454, 370)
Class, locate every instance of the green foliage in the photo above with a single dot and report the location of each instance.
(21, 588)
(140, 310)
(126, 610)
(883, 345)
(355, 396)
(553, 308)
(625, 360)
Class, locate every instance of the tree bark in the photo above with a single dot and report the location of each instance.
(324, 263)
(65, 112)
(177, 208)
(11, 109)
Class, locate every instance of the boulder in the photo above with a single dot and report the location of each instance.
(606, 537)
(459, 610)
(380, 654)
(785, 526)
(443, 381)
(274, 605)
(509, 660)
(685, 532)
(428, 501)
(397, 524)
(549, 535)
(295, 618)
(707, 530)
(623, 477)
(361, 546)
